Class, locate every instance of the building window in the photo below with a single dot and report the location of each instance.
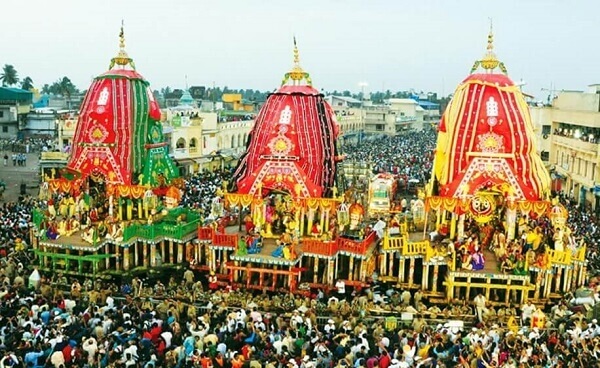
(565, 161)
(545, 155)
(1, 114)
(193, 148)
(546, 129)
(4, 128)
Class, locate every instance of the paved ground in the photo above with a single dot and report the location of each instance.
(13, 176)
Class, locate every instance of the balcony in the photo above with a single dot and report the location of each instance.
(405, 119)
(576, 144)
(356, 247)
(319, 247)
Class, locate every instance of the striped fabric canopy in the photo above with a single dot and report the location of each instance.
(486, 142)
(292, 145)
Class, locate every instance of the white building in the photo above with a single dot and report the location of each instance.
(569, 129)
(342, 102)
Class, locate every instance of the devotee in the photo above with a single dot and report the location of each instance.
(480, 306)
(379, 228)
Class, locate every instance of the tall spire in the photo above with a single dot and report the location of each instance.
(296, 54)
(296, 74)
(122, 58)
(490, 61)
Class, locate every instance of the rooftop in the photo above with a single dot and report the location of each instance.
(15, 94)
(428, 104)
(402, 101)
(344, 98)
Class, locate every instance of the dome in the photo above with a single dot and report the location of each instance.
(486, 140)
(118, 127)
(186, 99)
(292, 146)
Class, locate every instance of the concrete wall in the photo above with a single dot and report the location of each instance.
(577, 101)
(8, 114)
(234, 134)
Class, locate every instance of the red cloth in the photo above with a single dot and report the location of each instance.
(212, 283)
(160, 349)
(155, 333)
(67, 353)
(384, 361)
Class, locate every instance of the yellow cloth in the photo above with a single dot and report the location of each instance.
(286, 253)
(424, 352)
(531, 237)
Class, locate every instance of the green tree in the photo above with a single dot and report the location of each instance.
(9, 75)
(64, 87)
(27, 83)
(46, 89)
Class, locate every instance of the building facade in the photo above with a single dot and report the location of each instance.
(349, 116)
(569, 129)
(201, 140)
(41, 122)
(398, 115)
(15, 104)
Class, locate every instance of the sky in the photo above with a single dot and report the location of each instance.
(427, 45)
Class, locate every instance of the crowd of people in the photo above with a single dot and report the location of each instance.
(135, 324)
(51, 321)
(203, 187)
(409, 155)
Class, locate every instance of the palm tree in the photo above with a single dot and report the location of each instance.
(27, 83)
(9, 75)
(67, 88)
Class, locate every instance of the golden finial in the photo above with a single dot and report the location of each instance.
(490, 45)
(297, 74)
(122, 58)
(489, 62)
(122, 37)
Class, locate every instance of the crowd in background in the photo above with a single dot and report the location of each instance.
(409, 155)
(203, 187)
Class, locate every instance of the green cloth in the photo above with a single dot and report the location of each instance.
(242, 249)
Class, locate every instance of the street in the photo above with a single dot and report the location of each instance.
(13, 176)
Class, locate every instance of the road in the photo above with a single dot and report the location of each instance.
(13, 176)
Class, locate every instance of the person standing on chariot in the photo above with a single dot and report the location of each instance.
(248, 223)
(213, 281)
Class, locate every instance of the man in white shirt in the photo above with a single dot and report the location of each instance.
(255, 315)
(341, 289)
(527, 311)
(296, 319)
(379, 228)
(329, 327)
(480, 303)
